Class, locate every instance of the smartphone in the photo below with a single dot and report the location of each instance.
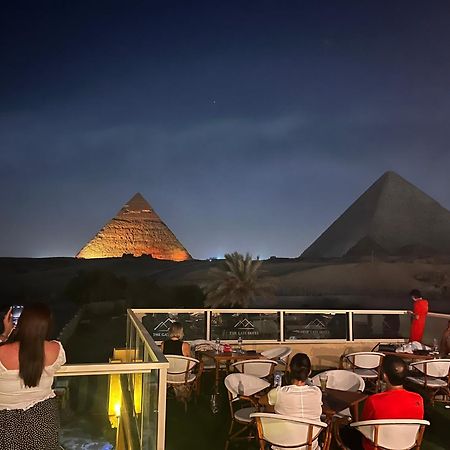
(16, 311)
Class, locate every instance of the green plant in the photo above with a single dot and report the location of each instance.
(236, 283)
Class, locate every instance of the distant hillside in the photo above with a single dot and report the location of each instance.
(332, 283)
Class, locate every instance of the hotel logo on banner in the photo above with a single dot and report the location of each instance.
(316, 329)
(244, 324)
(162, 329)
(243, 328)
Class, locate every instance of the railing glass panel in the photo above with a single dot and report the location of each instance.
(251, 326)
(107, 411)
(384, 326)
(158, 324)
(435, 326)
(84, 412)
(301, 326)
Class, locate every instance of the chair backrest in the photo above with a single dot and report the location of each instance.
(393, 434)
(365, 360)
(242, 384)
(343, 380)
(288, 431)
(180, 367)
(277, 353)
(438, 368)
(257, 367)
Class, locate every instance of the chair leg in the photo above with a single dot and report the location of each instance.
(327, 440)
(227, 442)
(336, 425)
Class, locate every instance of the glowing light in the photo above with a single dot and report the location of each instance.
(115, 397)
(117, 409)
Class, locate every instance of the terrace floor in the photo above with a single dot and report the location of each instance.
(200, 429)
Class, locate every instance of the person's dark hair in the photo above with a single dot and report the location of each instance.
(33, 328)
(300, 367)
(415, 293)
(395, 369)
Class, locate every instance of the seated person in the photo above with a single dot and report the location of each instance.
(298, 399)
(395, 402)
(175, 345)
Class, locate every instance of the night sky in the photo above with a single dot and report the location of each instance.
(247, 125)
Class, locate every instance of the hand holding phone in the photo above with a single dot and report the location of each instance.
(16, 311)
(7, 326)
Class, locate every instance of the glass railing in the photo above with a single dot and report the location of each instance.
(118, 405)
(434, 327)
(278, 325)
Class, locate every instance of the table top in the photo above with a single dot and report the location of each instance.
(335, 400)
(405, 355)
(231, 356)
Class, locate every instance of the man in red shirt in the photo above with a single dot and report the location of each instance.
(420, 311)
(395, 402)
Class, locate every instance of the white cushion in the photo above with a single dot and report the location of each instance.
(257, 367)
(243, 414)
(344, 380)
(243, 384)
(367, 373)
(431, 382)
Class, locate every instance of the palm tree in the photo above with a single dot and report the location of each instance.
(236, 283)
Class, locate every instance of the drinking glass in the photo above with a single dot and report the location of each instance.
(217, 345)
(323, 381)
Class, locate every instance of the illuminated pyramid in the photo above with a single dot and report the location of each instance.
(135, 230)
(393, 217)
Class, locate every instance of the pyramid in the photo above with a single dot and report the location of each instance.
(393, 217)
(135, 230)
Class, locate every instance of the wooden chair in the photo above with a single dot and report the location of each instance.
(241, 388)
(288, 432)
(181, 376)
(261, 368)
(433, 376)
(280, 355)
(367, 365)
(342, 380)
(393, 434)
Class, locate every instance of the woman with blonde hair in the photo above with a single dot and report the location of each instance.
(175, 345)
(29, 415)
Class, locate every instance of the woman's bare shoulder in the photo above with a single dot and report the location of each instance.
(186, 349)
(52, 349)
(8, 348)
(9, 355)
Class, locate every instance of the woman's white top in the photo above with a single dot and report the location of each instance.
(298, 401)
(15, 395)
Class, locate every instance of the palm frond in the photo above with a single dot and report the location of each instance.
(236, 283)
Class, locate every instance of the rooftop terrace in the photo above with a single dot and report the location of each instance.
(122, 402)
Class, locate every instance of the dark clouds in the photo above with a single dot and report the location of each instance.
(247, 125)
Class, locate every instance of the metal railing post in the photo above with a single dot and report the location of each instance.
(281, 326)
(350, 325)
(208, 325)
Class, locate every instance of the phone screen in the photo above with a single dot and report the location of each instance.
(16, 312)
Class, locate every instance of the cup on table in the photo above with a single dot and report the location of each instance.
(323, 377)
